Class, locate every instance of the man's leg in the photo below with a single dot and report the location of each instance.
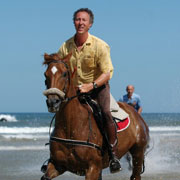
(103, 99)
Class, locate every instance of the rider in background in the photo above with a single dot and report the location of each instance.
(132, 99)
(92, 69)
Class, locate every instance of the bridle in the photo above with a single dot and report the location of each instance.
(61, 94)
(67, 82)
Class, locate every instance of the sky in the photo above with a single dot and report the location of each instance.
(144, 37)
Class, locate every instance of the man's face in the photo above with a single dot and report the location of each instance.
(82, 22)
(130, 90)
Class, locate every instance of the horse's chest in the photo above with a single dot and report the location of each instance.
(71, 155)
(74, 155)
(75, 161)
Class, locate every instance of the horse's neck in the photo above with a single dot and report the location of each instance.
(74, 119)
(71, 90)
(70, 112)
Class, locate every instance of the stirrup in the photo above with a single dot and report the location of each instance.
(43, 168)
(114, 165)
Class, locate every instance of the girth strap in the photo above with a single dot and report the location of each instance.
(75, 142)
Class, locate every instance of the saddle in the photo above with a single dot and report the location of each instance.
(86, 99)
(120, 117)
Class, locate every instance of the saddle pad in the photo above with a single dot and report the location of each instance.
(116, 111)
(122, 125)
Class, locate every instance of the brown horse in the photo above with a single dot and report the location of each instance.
(76, 142)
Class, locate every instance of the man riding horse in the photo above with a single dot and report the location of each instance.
(92, 69)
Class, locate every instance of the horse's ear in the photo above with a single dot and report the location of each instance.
(52, 57)
(46, 58)
(66, 58)
(45, 55)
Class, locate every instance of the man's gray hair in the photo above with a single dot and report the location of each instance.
(91, 15)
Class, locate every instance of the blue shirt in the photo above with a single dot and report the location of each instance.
(135, 99)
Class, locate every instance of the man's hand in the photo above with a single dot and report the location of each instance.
(85, 88)
(132, 104)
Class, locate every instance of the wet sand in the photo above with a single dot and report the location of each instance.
(109, 177)
(25, 165)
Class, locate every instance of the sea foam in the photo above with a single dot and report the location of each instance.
(164, 128)
(23, 130)
(17, 148)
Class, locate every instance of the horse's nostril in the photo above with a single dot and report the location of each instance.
(53, 102)
(57, 100)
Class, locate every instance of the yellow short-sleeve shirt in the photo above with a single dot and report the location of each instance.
(90, 62)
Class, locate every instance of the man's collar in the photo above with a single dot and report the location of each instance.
(87, 42)
(131, 96)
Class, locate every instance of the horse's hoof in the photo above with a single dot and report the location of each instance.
(100, 176)
(135, 178)
(45, 178)
(114, 165)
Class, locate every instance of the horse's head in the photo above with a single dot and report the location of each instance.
(57, 80)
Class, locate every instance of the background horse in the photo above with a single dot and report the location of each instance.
(76, 142)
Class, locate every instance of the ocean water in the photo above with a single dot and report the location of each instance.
(23, 151)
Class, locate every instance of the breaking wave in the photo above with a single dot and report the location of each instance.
(8, 118)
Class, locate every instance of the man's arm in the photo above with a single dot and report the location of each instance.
(140, 106)
(139, 110)
(102, 79)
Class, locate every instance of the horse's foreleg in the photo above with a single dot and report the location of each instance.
(100, 176)
(51, 172)
(94, 173)
(138, 158)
